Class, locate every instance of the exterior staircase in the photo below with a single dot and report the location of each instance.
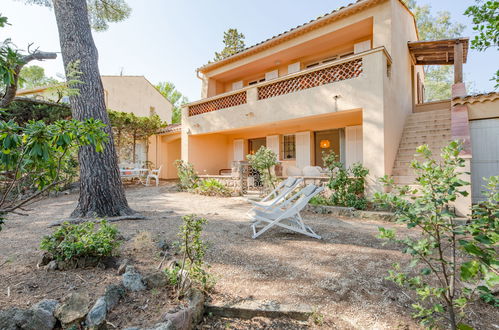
(430, 127)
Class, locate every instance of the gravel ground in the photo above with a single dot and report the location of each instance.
(341, 276)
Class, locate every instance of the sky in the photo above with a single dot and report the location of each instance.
(167, 40)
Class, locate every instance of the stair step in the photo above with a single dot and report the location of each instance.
(427, 127)
(426, 132)
(430, 118)
(404, 179)
(434, 112)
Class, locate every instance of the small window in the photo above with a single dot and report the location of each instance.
(254, 82)
(289, 147)
(312, 65)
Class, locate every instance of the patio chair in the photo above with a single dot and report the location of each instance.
(287, 214)
(277, 195)
(155, 175)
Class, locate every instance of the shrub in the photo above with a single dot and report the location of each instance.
(212, 187)
(347, 185)
(187, 175)
(262, 161)
(71, 242)
(447, 282)
(193, 250)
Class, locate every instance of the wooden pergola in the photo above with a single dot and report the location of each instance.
(441, 52)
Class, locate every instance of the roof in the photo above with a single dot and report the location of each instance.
(298, 30)
(436, 52)
(483, 97)
(173, 128)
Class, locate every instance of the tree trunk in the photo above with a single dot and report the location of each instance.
(101, 190)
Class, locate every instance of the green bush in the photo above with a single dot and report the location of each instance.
(212, 187)
(71, 242)
(347, 185)
(187, 175)
(262, 161)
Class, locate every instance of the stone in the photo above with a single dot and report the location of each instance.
(181, 319)
(155, 279)
(132, 280)
(250, 309)
(45, 259)
(43, 315)
(162, 245)
(157, 326)
(196, 303)
(52, 265)
(113, 294)
(14, 318)
(122, 267)
(97, 314)
(73, 309)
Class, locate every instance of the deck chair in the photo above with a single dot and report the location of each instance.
(287, 214)
(277, 195)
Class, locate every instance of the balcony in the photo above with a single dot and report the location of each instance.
(335, 71)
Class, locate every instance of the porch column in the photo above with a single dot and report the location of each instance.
(458, 62)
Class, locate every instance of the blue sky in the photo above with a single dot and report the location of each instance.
(168, 40)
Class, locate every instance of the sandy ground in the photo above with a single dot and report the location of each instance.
(342, 275)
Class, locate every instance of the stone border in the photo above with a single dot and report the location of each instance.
(351, 212)
(250, 309)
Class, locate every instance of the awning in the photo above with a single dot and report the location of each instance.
(436, 52)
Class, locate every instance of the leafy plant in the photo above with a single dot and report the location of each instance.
(33, 157)
(451, 254)
(193, 250)
(263, 160)
(70, 242)
(212, 187)
(187, 175)
(347, 185)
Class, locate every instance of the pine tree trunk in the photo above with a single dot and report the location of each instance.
(101, 190)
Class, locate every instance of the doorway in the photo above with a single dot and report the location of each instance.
(325, 142)
(255, 144)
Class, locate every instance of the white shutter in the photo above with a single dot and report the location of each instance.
(271, 75)
(353, 145)
(273, 144)
(237, 85)
(302, 141)
(294, 67)
(238, 150)
(361, 46)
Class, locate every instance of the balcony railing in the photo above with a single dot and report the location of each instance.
(321, 77)
(346, 68)
(219, 103)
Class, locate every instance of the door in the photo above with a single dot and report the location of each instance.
(273, 144)
(238, 150)
(325, 142)
(353, 145)
(485, 149)
(255, 144)
(302, 141)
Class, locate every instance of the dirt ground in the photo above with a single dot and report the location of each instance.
(342, 276)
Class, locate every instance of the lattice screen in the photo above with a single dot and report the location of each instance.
(328, 75)
(221, 103)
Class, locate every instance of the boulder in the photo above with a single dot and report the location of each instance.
(155, 279)
(97, 314)
(45, 259)
(52, 265)
(43, 315)
(14, 318)
(73, 309)
(122, 266)
(132, 280)
(113, 294)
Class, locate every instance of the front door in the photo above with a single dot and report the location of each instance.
(255, 144)
(325, 142)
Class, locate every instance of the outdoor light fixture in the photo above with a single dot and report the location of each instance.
(325, 144)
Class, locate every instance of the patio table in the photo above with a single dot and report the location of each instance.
(134, 173)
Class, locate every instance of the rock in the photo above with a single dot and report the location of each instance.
(156, 279)
(122, 267)
(158, 326)
(97, 314)
(73, 309)
(114, 293)
(52, 265)
(45, 259)
(43, 315)
(180, 320)
(14, 318)
(132, 280)
(196, 303)
(162, 245)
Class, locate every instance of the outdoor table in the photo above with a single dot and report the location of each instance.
(134, 173)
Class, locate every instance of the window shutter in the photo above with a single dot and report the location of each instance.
(273, 144)
(353, 145)
(237, 85)
(294, 67)
(362, 46)
(238, 150)
(302, 149)
(271, 75)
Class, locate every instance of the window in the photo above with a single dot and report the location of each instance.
(254, 82)
(255, 144)
(288, 147)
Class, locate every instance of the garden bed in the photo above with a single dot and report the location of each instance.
(351, 212)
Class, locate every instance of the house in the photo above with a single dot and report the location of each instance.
(131, 94)
(350, 81)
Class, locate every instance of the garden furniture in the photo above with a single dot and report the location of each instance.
(154, 174)
(277, 195)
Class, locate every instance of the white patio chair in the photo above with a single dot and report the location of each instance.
(287, 214)
(277, 195)
(155, 175)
